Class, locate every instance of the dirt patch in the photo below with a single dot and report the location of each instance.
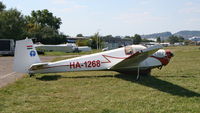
(6, 69)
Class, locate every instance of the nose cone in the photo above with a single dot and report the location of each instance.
(169, 53)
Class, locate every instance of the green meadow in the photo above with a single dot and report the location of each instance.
(75, 53)
(175, 88)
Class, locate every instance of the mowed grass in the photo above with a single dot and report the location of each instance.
(175, 88)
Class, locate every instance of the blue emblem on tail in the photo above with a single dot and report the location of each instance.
(32, 53)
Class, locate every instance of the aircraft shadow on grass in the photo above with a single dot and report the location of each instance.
(56, 77)
(150, 81)
(161, 85)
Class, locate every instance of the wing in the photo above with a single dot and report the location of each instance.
(134, 60)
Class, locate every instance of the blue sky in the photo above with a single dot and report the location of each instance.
(117, 17)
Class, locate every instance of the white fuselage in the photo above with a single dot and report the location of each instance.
(60, 48)
(101, 61)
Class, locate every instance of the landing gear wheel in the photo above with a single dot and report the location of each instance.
(148, 72)
(31, 75)
(145, 72)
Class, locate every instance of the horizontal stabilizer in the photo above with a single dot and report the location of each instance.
(38, 66)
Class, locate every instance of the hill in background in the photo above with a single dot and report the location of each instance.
(188, 34)
(164, 35)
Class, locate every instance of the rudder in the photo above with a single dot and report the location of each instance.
(25, 55)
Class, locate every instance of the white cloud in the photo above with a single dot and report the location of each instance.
(138, 18)
(60, 1)
(79, 6)
(71, 8)
(190, 8)
(193, 21)
(64, 6)
(144, 2)
(189, 3)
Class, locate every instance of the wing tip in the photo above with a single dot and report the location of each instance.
(155, 47)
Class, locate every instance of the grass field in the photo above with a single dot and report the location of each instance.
(75, 53)
(175, 88)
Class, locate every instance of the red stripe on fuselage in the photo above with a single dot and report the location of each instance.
(108, 61)
(29, 46)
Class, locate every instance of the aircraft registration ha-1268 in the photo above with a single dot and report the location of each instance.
(134, 58)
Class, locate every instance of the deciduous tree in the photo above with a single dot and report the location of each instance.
(2, 6)
(79, 35)
(44, 18)
(43, 26)
(158, 40)
(136, 39)
(12, 24)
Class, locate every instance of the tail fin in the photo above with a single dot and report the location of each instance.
(25, 55)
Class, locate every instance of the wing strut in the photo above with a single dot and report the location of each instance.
(138, 73)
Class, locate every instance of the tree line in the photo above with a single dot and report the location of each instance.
(96, 41)
(41, 25)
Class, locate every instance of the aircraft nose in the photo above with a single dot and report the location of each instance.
(169, 53)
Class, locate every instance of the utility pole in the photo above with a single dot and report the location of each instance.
(97, 40)
(97, 34)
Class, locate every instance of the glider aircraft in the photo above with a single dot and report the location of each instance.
(61, 47)
(133, 58)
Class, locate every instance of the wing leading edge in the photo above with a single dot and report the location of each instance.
(134, 60)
